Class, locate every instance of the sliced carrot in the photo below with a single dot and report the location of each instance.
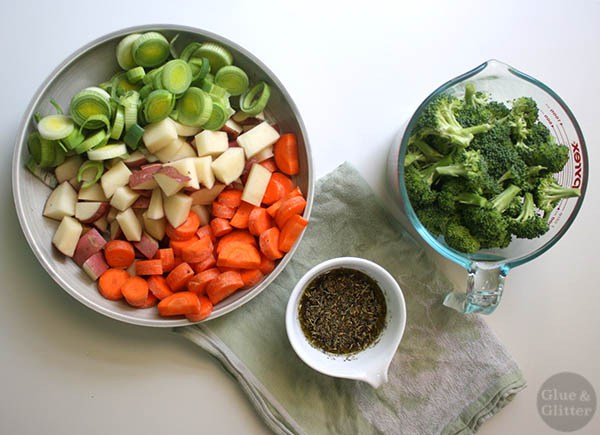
(179, 277)
(151, 301)
(135, 291)
(239, 255)
(206, 264)
(240, 218)
(285, 152)
(181, 303)
(231, 198)
(259, 221)
(206, 230)
(177, 260)
(291, 206)
(119, 253)
(251, 277)
(269, 164)
(149, 267)
(198, 251)
(167, 258)
(159, 287)
(199, 282)
(206, 308)
(179, 245)
(269, 243)
(239, 235)
(273, 208)
(279, 185)
(228, 269)
(223, 286)
(110, 283)
(220, 226)
(186, 230)
(291, 231)
(266, 266)
(222, 211)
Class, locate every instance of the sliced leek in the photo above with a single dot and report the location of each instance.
(118, 123)
(55, 127)
(233, 79)
(176, 76)
(89, 173)
(124, 54)
(90, 102)
(121, 85)
(149, 77)
(98, 121)
(218, 117)
(133, 136)
(217, 55)
(200, 68)
(136, 74)
(107, 152)
(150, 49)
(59, 154)
(189, 51)
(96, 140)
(255, 100)
(158, 105)
(194, 107)
(74, 139)
(48, 151)
(145, 91)
(130, 102)
(34, 146)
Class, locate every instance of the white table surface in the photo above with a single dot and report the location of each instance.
(356, 73)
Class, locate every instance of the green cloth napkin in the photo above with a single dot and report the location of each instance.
(450, 372)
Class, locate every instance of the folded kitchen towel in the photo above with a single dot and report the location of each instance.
(450, 372)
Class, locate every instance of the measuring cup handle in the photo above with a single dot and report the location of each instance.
(484, 290)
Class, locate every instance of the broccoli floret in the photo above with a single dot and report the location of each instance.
(474, 98)
(412, 157)
(498, 110)
(540, 149)
(459, 237)
(473, 168)
(548, 193)
(420, 146)
(448, 191)
(439, 120)
(487, 225)
(515, 207)
(418, 186)
(526, 108)
(504, 199)
(433, 219)
(528, 224)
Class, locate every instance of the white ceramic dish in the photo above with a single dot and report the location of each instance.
(370, 365)
(93, 64)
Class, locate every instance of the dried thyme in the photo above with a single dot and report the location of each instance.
(342, 311)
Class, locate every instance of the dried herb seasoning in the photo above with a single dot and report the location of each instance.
(342, 311)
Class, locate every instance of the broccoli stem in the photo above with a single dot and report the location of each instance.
(528, 209)
(501, 201)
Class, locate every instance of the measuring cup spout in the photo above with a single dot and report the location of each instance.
(485, 284)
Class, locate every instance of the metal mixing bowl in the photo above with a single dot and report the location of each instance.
(93, 64)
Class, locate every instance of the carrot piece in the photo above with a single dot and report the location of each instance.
(186, 230)
(239, 235)
(206, 308)
(177, 260)
(220, 226)
(240, 218)
(167, 258)
(151, 301)
(179, 277)
(259, 221)
(110, 283)
(289, 207)
(222, 211)
(231, 198)
(203, 265)
(269, 164)
(285, 152)
(181, 303)
(279, 185)
(251, 277)
(157, 284)
(135, 291)
(199, 282)
(198, 251)
(206, 230)
(119, 253)
(269, 243)
(178, 245)
(291, 231)
(224, 285)
(266, 266)
(149, 267)
(273, 208)
(239, 255)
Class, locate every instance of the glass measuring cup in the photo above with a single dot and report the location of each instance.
(488, 268)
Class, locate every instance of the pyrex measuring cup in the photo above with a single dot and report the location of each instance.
(488, 268)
